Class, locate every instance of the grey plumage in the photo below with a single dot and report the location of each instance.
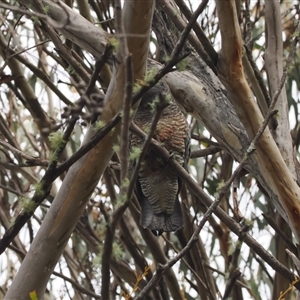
(158, 186)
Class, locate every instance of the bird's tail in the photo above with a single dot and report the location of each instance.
(162, 222)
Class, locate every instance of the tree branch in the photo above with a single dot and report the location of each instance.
(213, 208)
(268, 155)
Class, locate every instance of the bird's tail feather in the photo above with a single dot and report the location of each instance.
(159, 223)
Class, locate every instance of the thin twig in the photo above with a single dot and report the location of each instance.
(98, 67)
(29, 13)
(159, 109)
(208, 48)
(38, 72)
(119, 211)
(295, 259)
(111, 226)
(125, 125)
(27, 157)
(287, 66)
(77, 286)
(205, 152)
(212, 208)
(115, 120)
(281, 234)
(231, 283)
(186, 28)
(190, 268)
(248, 48)
(234, 272)
(10, 190)
(50, 175)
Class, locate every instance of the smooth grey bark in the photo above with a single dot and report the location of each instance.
(274, 69)
(204, 97)
(73, 26)
(267, 154)
(84, 175)
(201, 94)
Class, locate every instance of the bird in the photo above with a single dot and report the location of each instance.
(157, 186)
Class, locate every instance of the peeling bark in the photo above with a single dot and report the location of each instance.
(268, 157)
(274, 69)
